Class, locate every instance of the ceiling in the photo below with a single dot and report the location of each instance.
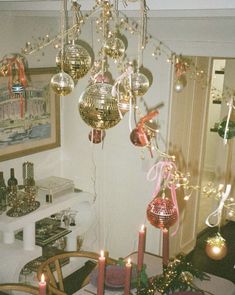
(160, 8)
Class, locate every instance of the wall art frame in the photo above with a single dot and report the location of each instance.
(29, 122)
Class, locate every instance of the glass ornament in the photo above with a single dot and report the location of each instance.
(114, 47)
(97, 106)
(161, 212)
(216, 247)
(17, 88)
(231, 128)
(77, 60)
(62, 83)
(96, 136)
(180, 84)
(124, 102)
(140, 84)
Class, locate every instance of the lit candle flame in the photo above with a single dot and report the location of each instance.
(42, 278)
(128, 261)
(102, 253)
(142, 227)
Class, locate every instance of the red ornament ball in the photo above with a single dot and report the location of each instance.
(161, 212)
(139, 137)
(96, 136)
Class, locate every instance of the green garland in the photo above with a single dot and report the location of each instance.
(177, 276)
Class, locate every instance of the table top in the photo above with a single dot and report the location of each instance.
(215, 285)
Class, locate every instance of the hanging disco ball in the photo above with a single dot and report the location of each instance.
(97, 107)
(77, 60)
(114, 47)
(161, 212)
(231, 128)
(62, 83)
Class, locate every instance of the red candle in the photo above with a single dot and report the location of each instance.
(165, 250)
(101, 273)
(141, 248)
(128, 277)
(42, 286)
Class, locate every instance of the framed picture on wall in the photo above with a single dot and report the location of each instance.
(29, 116)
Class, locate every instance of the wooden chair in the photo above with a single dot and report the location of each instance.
(19, 287)
(52, 269)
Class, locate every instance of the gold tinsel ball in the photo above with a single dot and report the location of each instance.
(216, 247)
(140, 84)
(114, 47)
(77, 60)
(62, 83)
(98, 108)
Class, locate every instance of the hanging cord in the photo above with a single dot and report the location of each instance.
(143, 32)
(218, 212)
(231, 107)
(62, 25)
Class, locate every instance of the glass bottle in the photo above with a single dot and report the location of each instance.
(12, 188)
(3, 194)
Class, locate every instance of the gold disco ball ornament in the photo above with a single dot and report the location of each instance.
(77, 60)
(97, 107)
(216, 247)
(62, 83)
(140, 84)
(114, 47)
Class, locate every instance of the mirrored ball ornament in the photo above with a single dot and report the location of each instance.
(162, 213)
(77, 61)
(62, 83)
(98, 108)
(114, 47)
(140, 84)
(139, 137)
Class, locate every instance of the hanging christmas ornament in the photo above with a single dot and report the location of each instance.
(180, 70)
(161, 212)
(216, 247)
(97, 106)
(230, 130)
(62, 83)
(140, 84)
(77, 60)
(124, 101)
(180, 83)
(96, 136)
(139, 136)
(114, 47)
(17, 88)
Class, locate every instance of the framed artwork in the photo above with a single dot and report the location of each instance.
(29, 120)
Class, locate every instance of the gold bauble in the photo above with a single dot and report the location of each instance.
(140, 84)
(216, 247)
(62, 83)
(97, 107)
(77, 60)
(114, 47)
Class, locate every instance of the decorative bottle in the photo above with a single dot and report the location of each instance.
(12, 188)
(3, 194)
(12, 181)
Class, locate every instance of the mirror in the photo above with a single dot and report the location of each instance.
(201, 108)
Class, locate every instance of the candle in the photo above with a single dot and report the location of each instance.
(141, 248)
(101, 273)
(127, 277)
(42, 286)
(165, 248)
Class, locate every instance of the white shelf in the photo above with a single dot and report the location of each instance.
(15, 254)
